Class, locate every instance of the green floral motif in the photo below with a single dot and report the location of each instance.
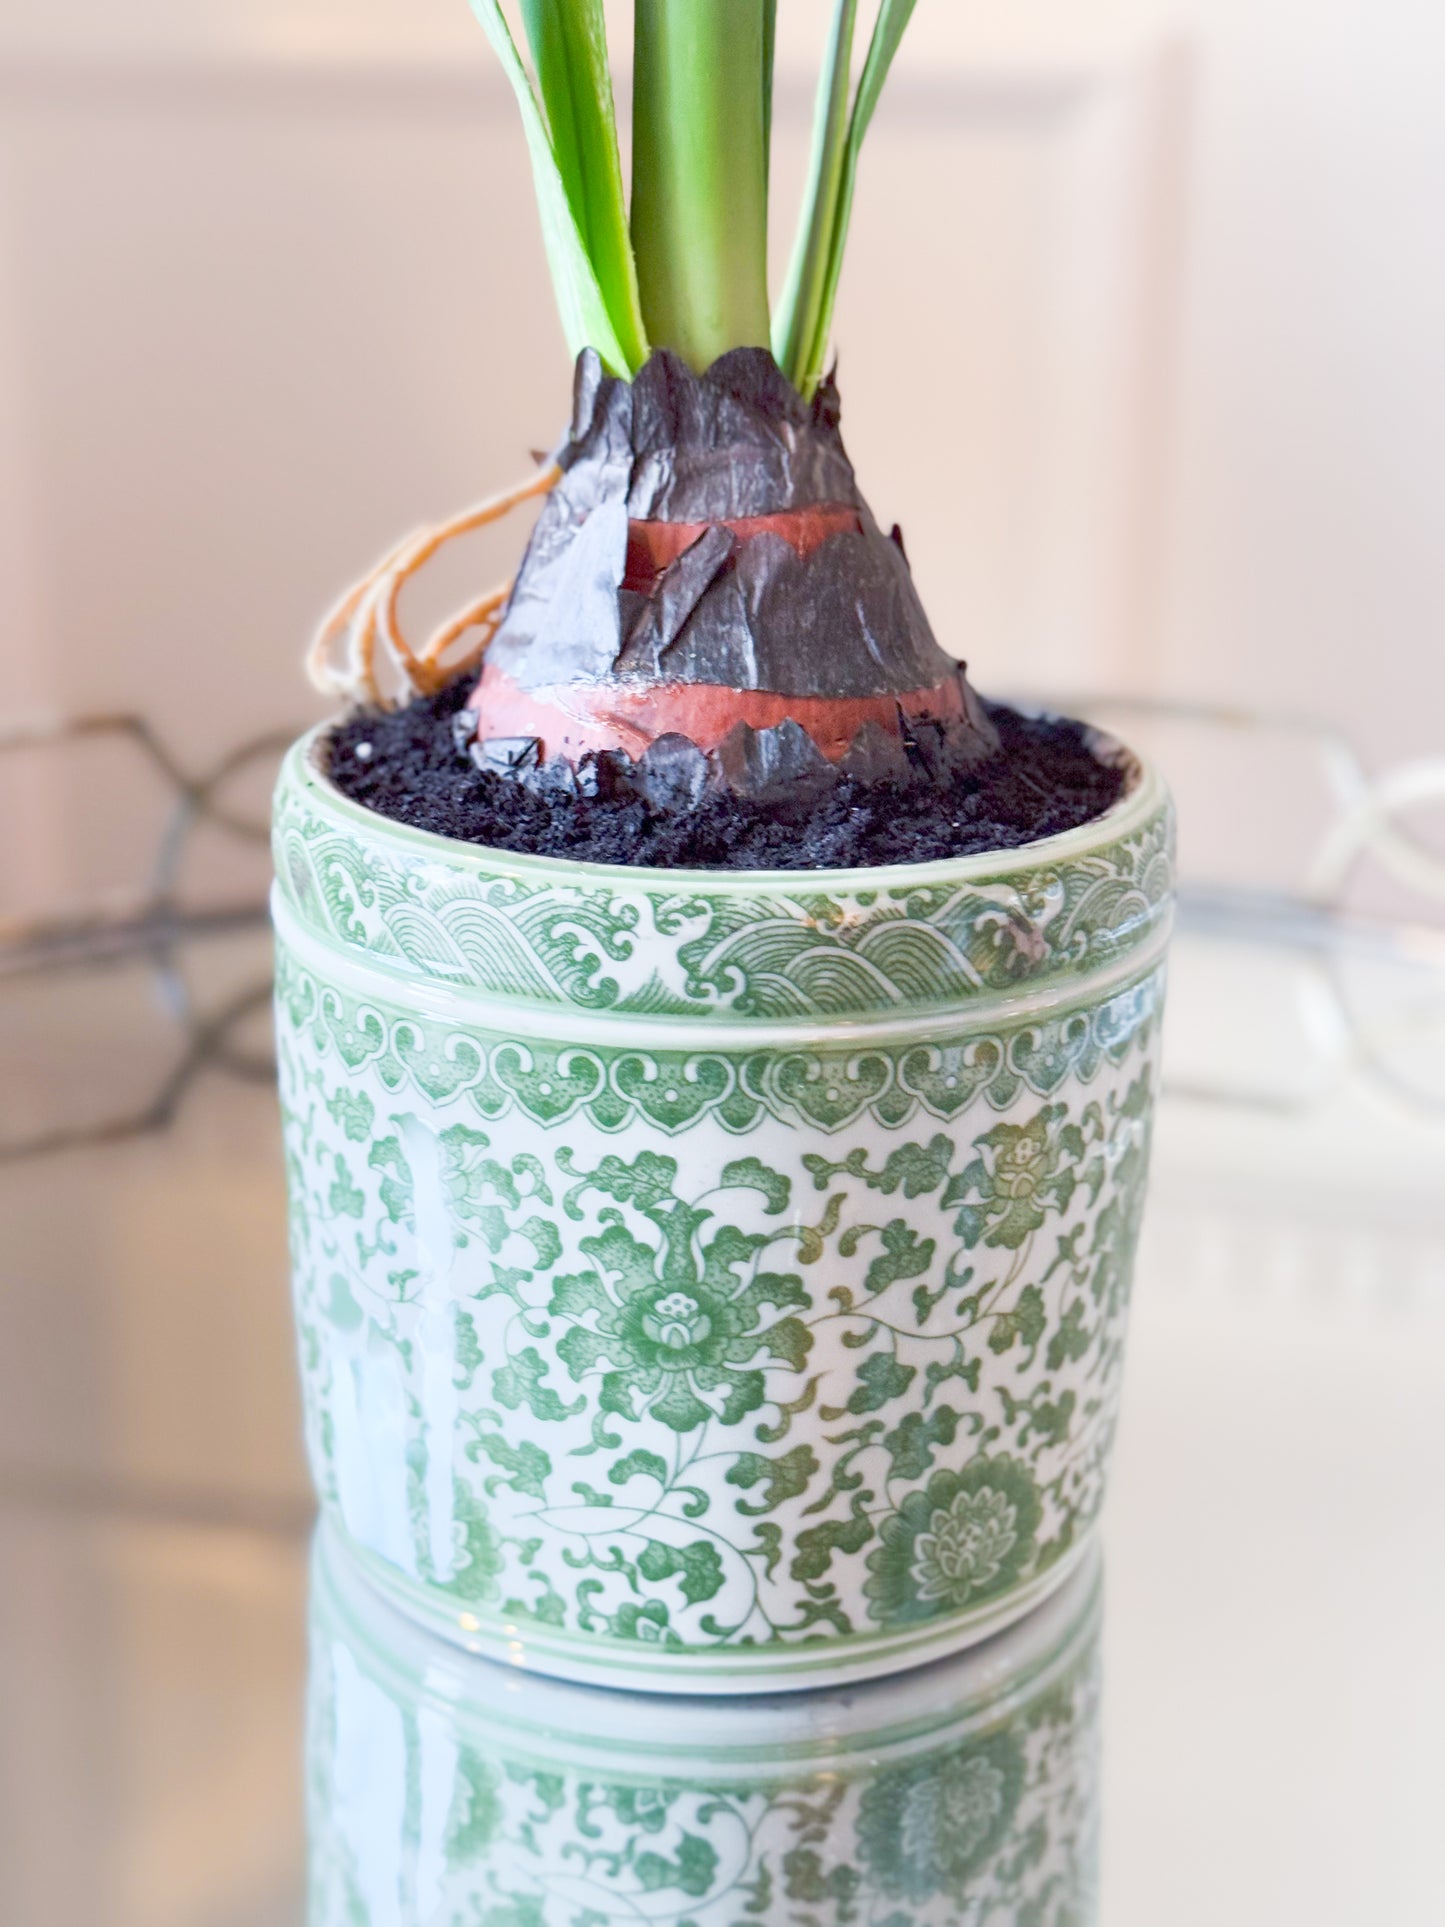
(877, 1437)
(927, 1829)
(477, 1812)
(676, 1328)
(1024, 1170)
(963, 1539)
(478, 1551)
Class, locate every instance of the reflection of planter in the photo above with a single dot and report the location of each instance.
(707, 1280)
(440, 1790)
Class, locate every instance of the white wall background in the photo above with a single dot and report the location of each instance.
(1143, 341)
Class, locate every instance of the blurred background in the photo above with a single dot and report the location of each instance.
(1142, 341)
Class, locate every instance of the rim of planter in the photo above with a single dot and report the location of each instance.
(1144, 795)
(849, 1723)
(747, 954)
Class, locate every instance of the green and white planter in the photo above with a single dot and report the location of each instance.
(714, 1282)
(442, 1790)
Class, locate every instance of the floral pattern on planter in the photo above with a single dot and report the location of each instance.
(548, 933)
(927, 1830)
(432, 1798)
(676, 1323)
(965, 1537)
(704, 1280)
(693, 1399)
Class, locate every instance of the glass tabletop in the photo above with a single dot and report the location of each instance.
(1249, 1732)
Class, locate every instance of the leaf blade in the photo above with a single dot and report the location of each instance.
(568, 39)
(795, 323)
(586, 320)
(699, 179)
(770, 50)
(888, 31)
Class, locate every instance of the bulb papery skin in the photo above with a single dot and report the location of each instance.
(707, 564)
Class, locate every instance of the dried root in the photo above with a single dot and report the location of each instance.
(343, 658)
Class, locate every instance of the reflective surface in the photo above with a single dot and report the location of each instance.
(439, 1790)
(1274, 1680)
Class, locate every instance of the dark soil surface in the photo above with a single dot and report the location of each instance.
(405, 764)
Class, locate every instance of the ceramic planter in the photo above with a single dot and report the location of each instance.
(441, 1789)
(713, 1282)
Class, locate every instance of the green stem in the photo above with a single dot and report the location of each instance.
(893, 18)
(586, 318)
(796, 326)
(770, 48)
(699, 174)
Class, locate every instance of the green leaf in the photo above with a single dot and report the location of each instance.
(519, 1382)
(790, 1340)
(747, 1390)
(770, 47)
(639, 1463)
(568, 39)
(1072, 1339)
(775, 1288)
(817, 1544)
(468, 1354)
(644, 1183)
(904, 1255)
(910, 1445)
(957, 1367)
(524, 1466)
(918, 1168)
(353, 1111)
(682, 1410)
(725, 1252)
(476, 1810)
(646, 1623)
(623, 1257)
(693, 1870)
(699, 1565)
(467, 1175)
(577, 1294)
(395, 1191)
(1025, 1321)
(769, 1545)
(702, 1573)
(525, 1165)
(580, 1350)
(803, 1871)
(751, 1174)
(888, 30)
(481, 1557)
(549, 1607)
(346, 1200)
(585, 317)
(880, 1378)
(784, 1478)
(699, 174)
(795, 324)
(541, 1235)
(1052, 1418)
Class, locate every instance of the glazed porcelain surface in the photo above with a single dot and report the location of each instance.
(713, 1281)
(442, 1789)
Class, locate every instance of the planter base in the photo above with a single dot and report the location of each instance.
(642, 1667)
